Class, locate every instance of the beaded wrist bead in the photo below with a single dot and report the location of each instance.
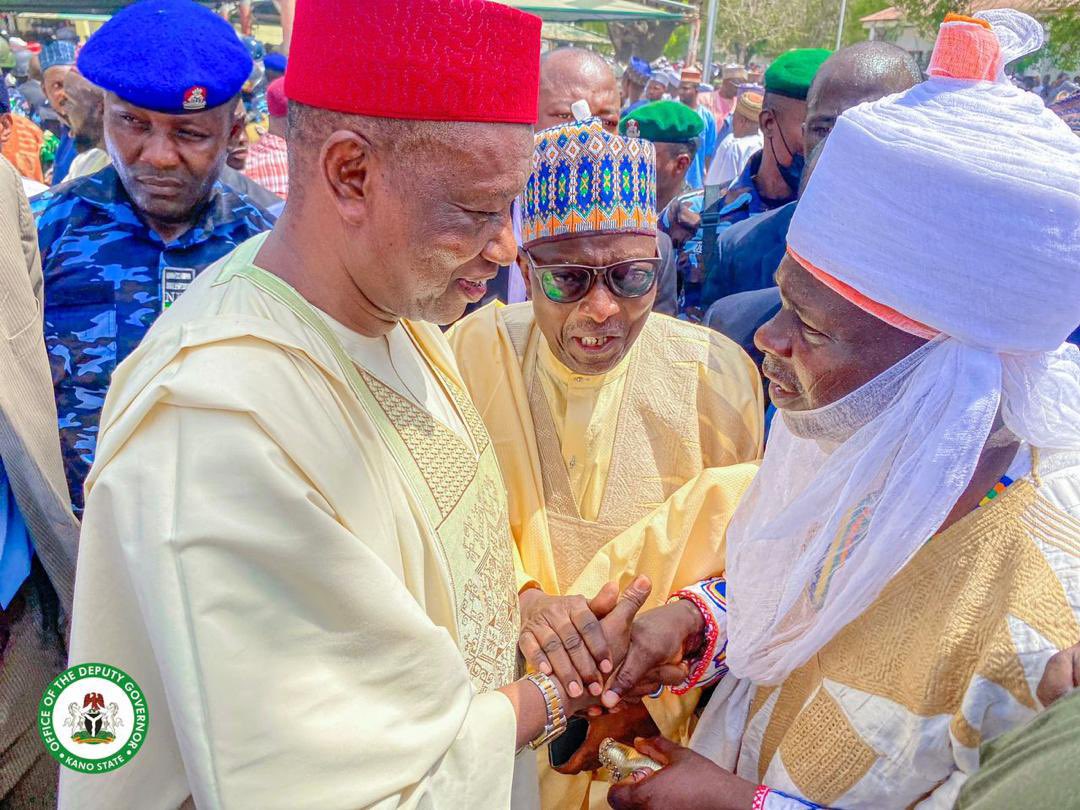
(709, 664)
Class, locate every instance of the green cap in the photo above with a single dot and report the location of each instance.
(662, 122)
(7, 58)
(792, 72)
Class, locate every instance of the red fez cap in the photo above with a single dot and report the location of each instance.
(276, 102)
(433, 60)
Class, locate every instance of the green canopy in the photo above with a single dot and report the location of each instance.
(549, 10)
(564, 32)
(604, 10)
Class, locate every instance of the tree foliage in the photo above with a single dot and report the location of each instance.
(644, 38)
(1063, 40)
(856, 10)
(749, 29)
(927, 15)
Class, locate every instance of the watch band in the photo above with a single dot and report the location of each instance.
(556, 714)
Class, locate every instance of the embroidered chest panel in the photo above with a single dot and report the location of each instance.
(473, 528)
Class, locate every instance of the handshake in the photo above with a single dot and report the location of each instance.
(603, 650)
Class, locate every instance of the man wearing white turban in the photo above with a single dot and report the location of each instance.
(908, 558)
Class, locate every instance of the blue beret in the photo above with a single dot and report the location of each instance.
(172, 56)
(275, 61)
(56, 52)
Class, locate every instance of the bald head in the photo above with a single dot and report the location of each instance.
(569, 74)
(863, 72)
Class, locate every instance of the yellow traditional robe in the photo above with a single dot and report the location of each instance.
(892, 711)
(308, 574)
(585, 458)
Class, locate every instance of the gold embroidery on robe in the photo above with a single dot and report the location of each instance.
(466, 488)
(942, 621)
(827, 769)
(663, 438)
(461, 481)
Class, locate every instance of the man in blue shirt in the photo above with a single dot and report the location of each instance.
(121, 245)
(770, 179)
(57, 58)
(688, 90)
(750, 251)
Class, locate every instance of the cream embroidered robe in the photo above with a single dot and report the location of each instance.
(309, 576)
(892, 711)
(579, 478)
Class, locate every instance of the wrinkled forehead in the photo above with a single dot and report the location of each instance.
(480, 160)
(825, 307)
(56, 73)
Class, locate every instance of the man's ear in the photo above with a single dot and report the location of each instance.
(523, 263)
(346, 160)
(238, 124)
(682, 163)
(767, 122)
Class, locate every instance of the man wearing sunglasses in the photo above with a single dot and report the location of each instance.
(599, 409)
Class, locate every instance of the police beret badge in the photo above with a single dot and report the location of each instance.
(171, 56)
(195, 98)
(632, 129)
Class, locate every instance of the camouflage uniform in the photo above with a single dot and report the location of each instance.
(104, 270)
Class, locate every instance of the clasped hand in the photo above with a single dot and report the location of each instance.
(603, 647)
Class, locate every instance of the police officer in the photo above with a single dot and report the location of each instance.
(119, 246)
(675, 131)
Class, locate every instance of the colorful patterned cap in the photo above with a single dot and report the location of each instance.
(585, 180)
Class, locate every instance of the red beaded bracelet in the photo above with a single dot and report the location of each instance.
(705, 656)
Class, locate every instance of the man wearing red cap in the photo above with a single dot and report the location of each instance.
(268, 158)
(295, 505)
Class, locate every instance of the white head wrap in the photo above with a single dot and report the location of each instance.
(951, 211)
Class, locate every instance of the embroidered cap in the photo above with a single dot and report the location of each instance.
(56, 53)
(433, 60)
(585, 180)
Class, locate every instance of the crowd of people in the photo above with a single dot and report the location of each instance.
(411, 415)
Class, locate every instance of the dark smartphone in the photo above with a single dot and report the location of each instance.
(563, 747)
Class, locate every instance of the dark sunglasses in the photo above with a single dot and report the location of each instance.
(567, 283)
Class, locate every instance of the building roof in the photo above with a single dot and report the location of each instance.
(1036, 8)
(890, 14)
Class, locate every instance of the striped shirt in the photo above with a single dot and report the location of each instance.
(268, 164)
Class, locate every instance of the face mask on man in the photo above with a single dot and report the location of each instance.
(792, 173)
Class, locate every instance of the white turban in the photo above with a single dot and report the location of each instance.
(951, 211)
